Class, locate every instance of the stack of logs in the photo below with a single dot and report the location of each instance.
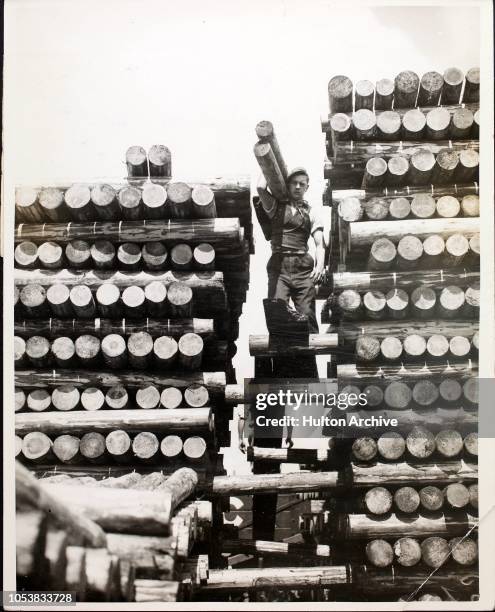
(402, 174)
(127, 306)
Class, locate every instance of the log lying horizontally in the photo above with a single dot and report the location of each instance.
(105, 421)
(290, 455)
(407, 372)
(271, 346)
(262, 547)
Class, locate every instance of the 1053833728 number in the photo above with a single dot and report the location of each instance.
(33, 598)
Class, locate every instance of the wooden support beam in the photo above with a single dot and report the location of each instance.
(283, 549)
(316, 344)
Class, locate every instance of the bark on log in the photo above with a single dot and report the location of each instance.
(472, 86)
(179, 486)
(160, 161)
(137, 162)
(273, 175)
(389, 474)
(453, 80)
(384, 94)
(406, 89)
(274, 483)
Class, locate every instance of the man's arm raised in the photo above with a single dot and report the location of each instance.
(268, 202)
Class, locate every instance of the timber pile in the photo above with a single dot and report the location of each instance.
(127, 305)
(403, 298)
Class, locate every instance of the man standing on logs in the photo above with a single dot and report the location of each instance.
(292, 272)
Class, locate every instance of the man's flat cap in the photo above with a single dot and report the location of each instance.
(297, 170)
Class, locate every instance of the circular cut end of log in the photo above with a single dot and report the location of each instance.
(117, 397)
(181, 256)
(107, 294)
(130, 197)
(92, 445)
(364, 449)
(147, 397)
(145, 445)
(203, 196)
(171, 446)
(77, 196)
(437, 345)
(475, 341)
(376, 166)
(432, 81)
(36, 445)
(399, 207)
(410, 248)
(102, 194)
(25, 196)
(469, 158)
(367, 348)
(154, 254)
(397, 300)
(438, 119)
(397, 395)
(58, 294)
(63, 348)
(414, 121)
(470, 205)
(452, 298)
(165, 348)
(349, 300)
(447, 159)
(81, 296)
(449, 443)
(350, 209)
(431, 498)
(179, 193)
(133, 297)
(453, 76)
(385, 87)
(407, 82)
(129, 254)
(340, 123)
(388, 122)
(364, 120)
(340, 86)
(78, 252)
(155, 292)
(204, 255)
(65, 397)
(376, 209)
(113, 345)
(159, 155)
(462, 119)
(378, 500)
(19, 399)
(26, 254)
(117, 442)
(140, 344)
(19, 348)
(196, 396)
(391, 347)
(407, 552)
(471, 444)
(18, 446)
(194, 448)
(425, 393)
(87, 346)
(391, 445)
(383, 251)
(32, 296)
(364, 88)
(472, 295)
(423, 160)
(66, 447)
(434, 245)
(420, 442)
(37, 347)
(190, 345)
(374, 302)
(179, 294)
(92, 399)
(135, 155)
(379, 553)
(473, 495)
(153, 195)
(171, 397)
(464, 550)
(406, 499)
(457, 495)
(264, 129)
(460, 346)
(435, 551)
(457, 245)
(39, 400)
(103, 253)
(450, 389)
(473, 76)
(423, 206)
(398, 167)
(374, 395)
(414, 345)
